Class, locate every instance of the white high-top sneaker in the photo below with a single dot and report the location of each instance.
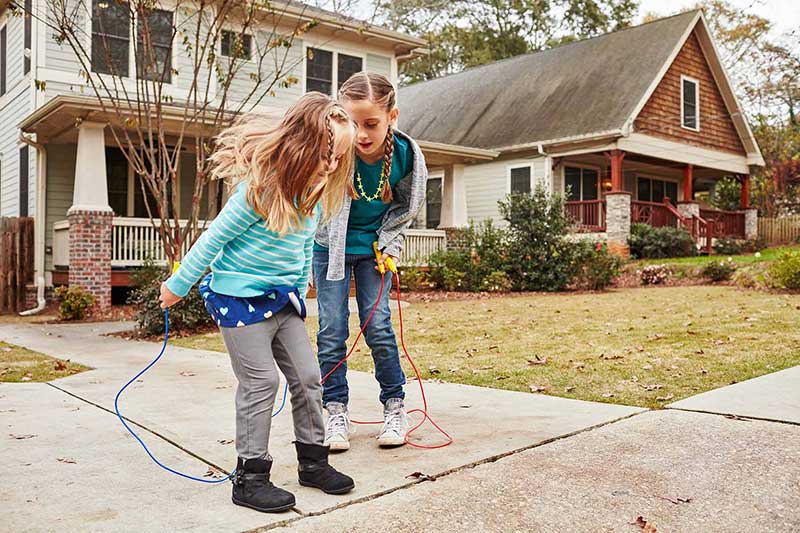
(338, 428)
(395, 424)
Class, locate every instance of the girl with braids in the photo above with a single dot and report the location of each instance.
(285, 179)
(387, 192)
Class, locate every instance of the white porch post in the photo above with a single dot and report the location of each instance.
(91, 185)
(454, 198)
(90, 217)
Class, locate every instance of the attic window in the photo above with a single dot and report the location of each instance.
(690, 103)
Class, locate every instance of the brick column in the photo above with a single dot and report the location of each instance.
(456, 239)
(751, 223)
(90, 217)
(90, 253)
(618, 222)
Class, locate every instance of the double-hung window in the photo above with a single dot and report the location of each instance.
(320, 72)
(690, 103)
(581, 184)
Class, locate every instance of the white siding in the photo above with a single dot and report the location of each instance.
(379, 65)
(488, 183)
(15, 105)
(60, 181)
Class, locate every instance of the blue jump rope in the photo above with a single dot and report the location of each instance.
(134, 378)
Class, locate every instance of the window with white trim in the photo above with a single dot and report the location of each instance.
(320, 72)
(581, 184)
(690, 103)
(236, 45)
(433, 205)
(111, 41)
(520, 180)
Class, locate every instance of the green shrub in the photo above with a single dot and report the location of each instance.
(497, 281)
(654, 274)
(465, 269)
(729, 246)
(595, 267)
(73, 302)
(785, 272)
(648, 242)
(719, 270)
(540, 256)
(413, 278)
(188, 315)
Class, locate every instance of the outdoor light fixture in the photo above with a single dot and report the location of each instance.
(606, 184)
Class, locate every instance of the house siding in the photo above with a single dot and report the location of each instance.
(15, 105)
(488, 183)
(60, 185)
(661, 115)
(379, 65)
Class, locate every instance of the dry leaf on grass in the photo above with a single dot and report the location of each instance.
(537, 361)
(666, 398)
(59, 365)
(537, 388)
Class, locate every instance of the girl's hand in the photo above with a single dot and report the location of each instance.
(382, 261)
(168, 298)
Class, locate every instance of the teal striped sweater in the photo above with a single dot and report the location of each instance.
(246, 257)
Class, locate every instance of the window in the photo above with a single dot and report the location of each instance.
(521, 180)
(319, 70)
(155, 56)
(320, 74)
(233, 44)
(690, 106)
(23, 181)
(26, 62)
(346, 67)
(3, 60)
(433, 206)
(581, 184)
(111, 25)
(117, 176)
(652, 190)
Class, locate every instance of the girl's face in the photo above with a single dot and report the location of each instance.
(342, 143)
(373, 123)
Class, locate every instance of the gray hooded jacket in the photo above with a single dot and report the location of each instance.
(408, 199)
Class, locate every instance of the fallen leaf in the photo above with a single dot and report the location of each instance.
(569, 389)
(644, 525)
(420, 475)
(67, 460)
(25, 378)
(500, 378)
(612, 357)
(699, 352)
(608, 395)
(537, 361)
(187, 373)
(666, 398)
(20, 437)
(225, 441)
(213, 472)
(60, 365)
(465, 406)
(537, 388)
(434, 370)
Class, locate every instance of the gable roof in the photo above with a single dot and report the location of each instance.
(583, 89)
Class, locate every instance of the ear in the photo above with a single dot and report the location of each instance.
(393, 114)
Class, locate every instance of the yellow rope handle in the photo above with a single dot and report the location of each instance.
(389, 261)
(175, 266)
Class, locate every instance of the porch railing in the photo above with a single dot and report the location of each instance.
(133, 240)
(588, 215)
(726, 223)
(653, 213)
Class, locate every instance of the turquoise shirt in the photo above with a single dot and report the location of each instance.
(247, 258)
(367, 216)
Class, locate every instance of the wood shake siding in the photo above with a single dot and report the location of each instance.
(661, 115)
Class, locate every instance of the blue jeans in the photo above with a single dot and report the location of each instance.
(334, 315)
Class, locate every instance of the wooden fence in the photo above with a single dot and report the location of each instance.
(779, 230)
(16, 262)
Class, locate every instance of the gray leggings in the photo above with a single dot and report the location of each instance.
(254, 350)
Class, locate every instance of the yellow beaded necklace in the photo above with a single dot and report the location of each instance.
(364, 194)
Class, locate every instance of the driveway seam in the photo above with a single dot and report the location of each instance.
(732, 416)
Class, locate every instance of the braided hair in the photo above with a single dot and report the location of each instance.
(380, 91)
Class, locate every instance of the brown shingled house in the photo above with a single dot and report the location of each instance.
(628, 125)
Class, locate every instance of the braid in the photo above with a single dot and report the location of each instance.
(387, 166)
(329, 132)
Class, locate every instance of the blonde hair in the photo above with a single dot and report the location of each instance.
(282, 163)
(380, 91)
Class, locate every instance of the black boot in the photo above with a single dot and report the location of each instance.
(314, 470)
(252, 488)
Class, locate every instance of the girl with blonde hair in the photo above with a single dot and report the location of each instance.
(285, 180)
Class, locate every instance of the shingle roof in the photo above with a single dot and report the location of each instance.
(575, 89)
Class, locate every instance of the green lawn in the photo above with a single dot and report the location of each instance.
(644, 347)
(19, 364)
(770, 254)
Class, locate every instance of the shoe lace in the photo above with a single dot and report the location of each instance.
(337, 424)
(394, 422)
